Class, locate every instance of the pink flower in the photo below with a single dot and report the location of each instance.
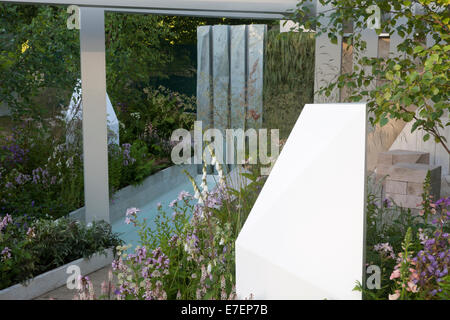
(395, 296)
(395, 274)
(31, 233)
(173, 203)
(132, 211)
(412, 286)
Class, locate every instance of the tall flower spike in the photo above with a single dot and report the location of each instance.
(218, 166)
(198, 195)
(204, 184)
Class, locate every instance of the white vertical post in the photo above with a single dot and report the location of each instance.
(95, 147)
(328, 61)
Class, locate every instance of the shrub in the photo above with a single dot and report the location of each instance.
(156, 119)
(40, 175)
(31, 247)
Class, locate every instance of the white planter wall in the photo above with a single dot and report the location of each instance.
(55, 278)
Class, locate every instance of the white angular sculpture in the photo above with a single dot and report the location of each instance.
(304, 236)
(75, 112)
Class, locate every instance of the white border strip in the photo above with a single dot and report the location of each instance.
(55, 278)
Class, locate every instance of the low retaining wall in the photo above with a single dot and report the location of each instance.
(55, 278)
(138, 196)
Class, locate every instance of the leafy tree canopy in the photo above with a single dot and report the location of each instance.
(414, 84)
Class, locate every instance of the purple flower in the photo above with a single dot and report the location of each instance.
(126, 152)
(183, 194)
(132, 211)
(6, 253)
(5, 221)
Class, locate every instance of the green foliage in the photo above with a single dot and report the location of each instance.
(37, 246)
(395, 238)
(142, 167)
(192, 250)
(37, 52)
(153, 122)
(137, 47)
(129, 165)
(41, 175)
(398, 86)
(445, 286)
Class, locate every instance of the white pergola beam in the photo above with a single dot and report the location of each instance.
(268, 8)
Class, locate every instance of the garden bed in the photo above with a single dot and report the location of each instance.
(55, 278)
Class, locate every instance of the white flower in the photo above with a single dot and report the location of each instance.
(209, 268)
(394, 296)
(187, 248)
(222, 242)
(204, 187)
(69, 162)
(136, 115)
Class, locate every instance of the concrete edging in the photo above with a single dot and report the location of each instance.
(55, 278)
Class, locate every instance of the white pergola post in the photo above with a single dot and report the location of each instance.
(328, 63)
(95, 146)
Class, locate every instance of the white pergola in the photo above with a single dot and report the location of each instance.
(93, 73)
